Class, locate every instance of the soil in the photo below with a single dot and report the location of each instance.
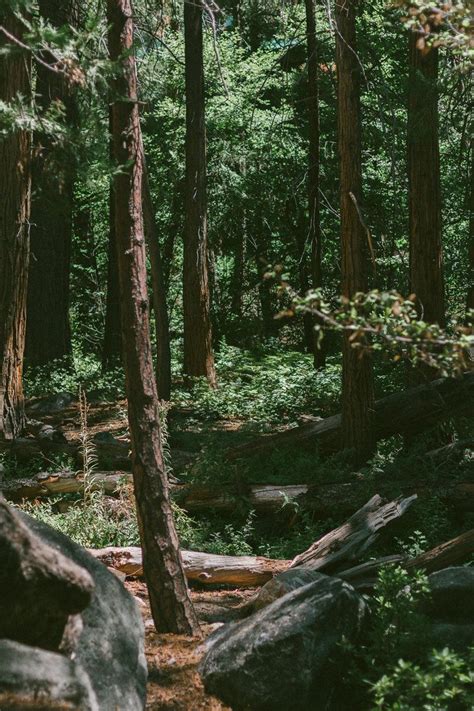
(174, 683)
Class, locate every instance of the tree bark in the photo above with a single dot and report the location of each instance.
(170, 603)
(357, 378)
(48, 333)
(198, 355)
(160, 307)
(424, 185)
(112, 346)
(15, 70)
(314, 232)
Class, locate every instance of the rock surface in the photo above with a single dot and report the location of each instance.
(40, 587)
(110, 649)
(451, 608)
(286, 655)
(452, 595)
(280, 585)
(37, 679)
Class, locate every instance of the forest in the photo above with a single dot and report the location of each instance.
(236, 355)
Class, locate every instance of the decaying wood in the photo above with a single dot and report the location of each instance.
(247, 571)
(364, 576)
(205, 568)
(336, 548)
(47, 484)
(406, 413)
(40, 588)
(113, 454)
(321, 499)
(351, 540)
(444, 555)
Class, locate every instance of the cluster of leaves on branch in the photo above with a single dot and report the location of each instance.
(68, 52)
(386, 321)
(447, 24)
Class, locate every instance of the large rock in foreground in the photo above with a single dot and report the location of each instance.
(110, 648)
(32, 678)
(285, 656)
(451, 608)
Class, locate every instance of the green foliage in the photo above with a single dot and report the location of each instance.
(264, 388)
(444, 683)
(66, 376)
(93, 523)
(394, 667)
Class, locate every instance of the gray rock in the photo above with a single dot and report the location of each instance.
(280, 585)
(111, 646)
(37, 679)
(52, 403)
(457, 637)
(452, 595)
(286, 655)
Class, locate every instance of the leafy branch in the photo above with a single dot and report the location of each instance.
(385, 321)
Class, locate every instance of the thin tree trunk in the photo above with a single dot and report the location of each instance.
(15, 157)
(426, 255)
(198, 356)
(48, 332)
(160, 307)
(470, 291)
(314, 232)
(112, 346)
(357, 378)
(170, 604)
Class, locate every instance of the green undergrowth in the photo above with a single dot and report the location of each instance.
(394, 665)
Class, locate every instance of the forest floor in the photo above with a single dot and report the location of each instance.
(174, 683)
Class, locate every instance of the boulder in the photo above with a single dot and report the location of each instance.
(280, 585)
(32, 678)
(110, 648)
(452, 595)
(288, 655)
(459, 637)
(40, 587)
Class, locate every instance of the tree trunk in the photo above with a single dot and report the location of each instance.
(470, 291)
(15, 72)
(112, 346)
(198, 356)
(170, 604)
(48, 333)
(160, 307)
(314, 232)
(406, 413)
(426, 255)
(357, 378)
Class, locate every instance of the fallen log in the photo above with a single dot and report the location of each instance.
(111, 454)
(353, 538)
(406, 413)
(446, 554)
(47, 484)
(321, 499)
(204, 568)
(346, 543)
(247, 571)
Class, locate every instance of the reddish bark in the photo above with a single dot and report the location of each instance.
(198, 355)
(14, 238)
(426, 254)
(170, 604)
(357, 385)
